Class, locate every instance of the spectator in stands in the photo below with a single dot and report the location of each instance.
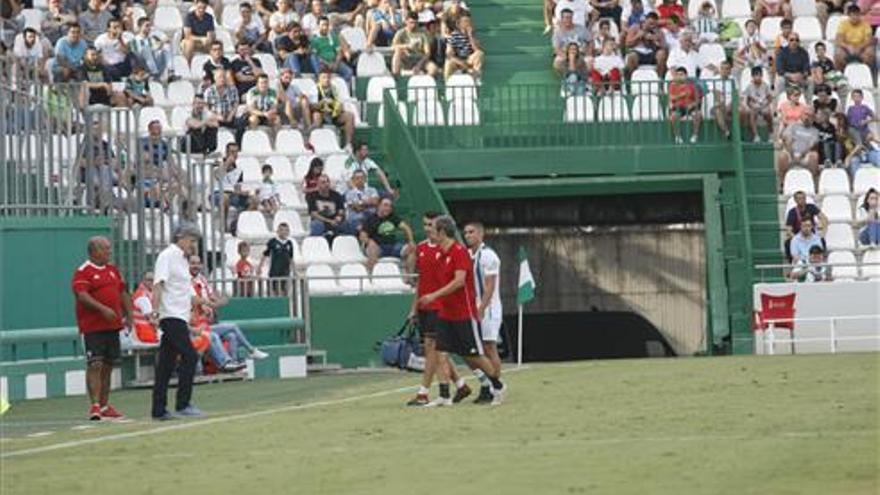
(97, 87)
(360, 161)
(311, 20)
(382, 23)
(576, 72)
(801, 210)
(580, 9)
(332, 51)
(672, 15)
(607, 71)
(684, 101)
(437, 42)
(97, 170)
(793, 63)
(603, 35)
(279, 252)
(566, 33)
(293, 101)
(216, 60)
(792, 109)
(685, 55)
(781, 39)
(249, 29)
(162, 180)
(647, 45)
(756, 104)
(360, 200)
(282, 20)
(136, 92)
(30, 48)
(858, 116)
(812, 268)
(298, 53)
(822, 60)
(70, 52)
(56, 21)
(706, 24)
(463, 50)
(265, 8)
(229, 182)
(222, 100)
(772, 8)
(379, 236)
(549, 6)
(751, 51)
(262, 105)
(245, 69)
(824, 102)
(267, 193)
(150, 50)
(604, 9)
(327, 211)
(868, 219)
(244, 271)
(328, 109)
(94, 20)
(637, 14)
(850, 149)
(145, 324)
(871, 9)
(804, 240)
(830, 149)
(412, 49)
(800, 142)
(201, 128)
(723, 89)
(198, 31)
(114, 51)
(865, 154)
(313, 175)
(854, 41)
(347, 11)
(824, 8)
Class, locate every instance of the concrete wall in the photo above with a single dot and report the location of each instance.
(655, 271)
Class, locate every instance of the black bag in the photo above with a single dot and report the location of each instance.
(403, 349)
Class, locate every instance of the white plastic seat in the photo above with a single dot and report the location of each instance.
(798, 179)
(461, 86)
(736, 8)
(838, 272)
(230, 251)
(803, 8)
(268, 64)
(808, 27)
(341, 87)
(301, 166)
(290, 198)
(307, 86)
(377, 87)
(334, 166)
(866, 178)
(32, 18)
(225, 37)
(231, 16)
(197, 66)
(289, 142)
(420, 88)
(647, 108)
(224, 137)
(386, 278)
(837, 209)
(871, 264)
(647, 82)
(149, 114)
(292, 219)
(427, 113)
(315, 250)
(324, 141)
(347, 249)
(181, 68)
(255, 142)
(282, 170)
(858, 75)
(463, 112)
(349, 284)
(401, 109)
(252, 227)
(167, 19)
(831, 26)
(579, 109)
(157, 92)
(839, 236)
(834, 181)
(371, 64)
(710, 53)
(250, 169)
(179, 115)
(355, 37)
(613, 108)
(770, 28)
(181, 93)
(322, 280)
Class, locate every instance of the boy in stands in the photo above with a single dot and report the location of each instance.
(428, 267)
(684, 101)
(244, 271)
(459, 327)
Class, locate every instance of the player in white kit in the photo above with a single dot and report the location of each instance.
(487, 268)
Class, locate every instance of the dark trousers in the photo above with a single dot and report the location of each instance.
(175, 343)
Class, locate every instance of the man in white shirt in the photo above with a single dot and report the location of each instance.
(360, 160)
(487, 269)
(29, 47)
(580, 8)
(173, 299)
(114, 50)
(685, 55)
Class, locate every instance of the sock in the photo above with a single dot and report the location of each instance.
(423, 390)
(444, 390)
(484, 379)
(459, 383)
(496, 383)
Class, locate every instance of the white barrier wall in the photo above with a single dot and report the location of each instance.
(852, 307)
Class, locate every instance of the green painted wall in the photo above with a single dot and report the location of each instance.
(38, 257)
(348, 327)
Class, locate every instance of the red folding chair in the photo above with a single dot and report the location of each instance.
(776, 312)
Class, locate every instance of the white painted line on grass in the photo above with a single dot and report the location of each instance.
(41, 434)
(211, 421)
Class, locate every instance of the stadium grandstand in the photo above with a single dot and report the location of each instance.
(696, 178)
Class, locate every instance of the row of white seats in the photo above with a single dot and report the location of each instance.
(353, 279)
(841, 265)
(616, 108)
(840, 237)
(284, 172)
(831, 181)
(314, 249)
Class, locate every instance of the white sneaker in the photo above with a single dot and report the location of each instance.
(440, 402)
(498, 395)
(756, 139)
(679, 140)
(694, 139)
(258, 354)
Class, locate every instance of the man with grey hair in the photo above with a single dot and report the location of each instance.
(173, 299)
(459, 325)
(101, 301)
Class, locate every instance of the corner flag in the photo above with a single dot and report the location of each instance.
(526, 291)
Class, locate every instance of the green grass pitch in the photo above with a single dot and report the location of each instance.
(734, 425)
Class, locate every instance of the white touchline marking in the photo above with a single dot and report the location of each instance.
(41, 434)
(82, 427)
(212, 421)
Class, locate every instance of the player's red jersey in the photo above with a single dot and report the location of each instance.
(105, 284)
(428, 266)
(461, 304)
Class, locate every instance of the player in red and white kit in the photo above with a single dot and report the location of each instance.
(427, 265)
(459, 327)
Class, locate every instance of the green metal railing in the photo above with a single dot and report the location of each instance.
(523, 116)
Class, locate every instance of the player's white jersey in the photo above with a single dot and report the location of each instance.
(487, 263)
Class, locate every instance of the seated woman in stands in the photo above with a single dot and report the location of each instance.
(868, 219)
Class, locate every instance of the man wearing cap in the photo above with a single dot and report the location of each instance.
(173, 298)
(412, 49)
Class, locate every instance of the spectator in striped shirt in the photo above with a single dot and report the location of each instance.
(222, 99)
(706, 24)
(262, 105)
(463, 49)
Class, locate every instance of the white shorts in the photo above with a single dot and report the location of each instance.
(490, 328)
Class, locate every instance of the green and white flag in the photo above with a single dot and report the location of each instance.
(526, 291)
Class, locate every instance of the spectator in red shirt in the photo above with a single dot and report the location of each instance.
(684, 101)
(672, 15)
(310, 181)
(244, 271)
(458, 327)
(102, 301)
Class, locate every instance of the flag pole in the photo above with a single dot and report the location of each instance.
(519, 337)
